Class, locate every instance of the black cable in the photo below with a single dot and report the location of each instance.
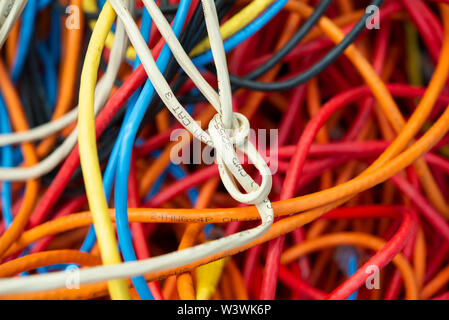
(163, 3)
(32, 92)
(25, 97)
(291, 44)
(312, 71)
(191, 99)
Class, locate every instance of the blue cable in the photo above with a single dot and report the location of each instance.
(347, 260)
(26, 33)
(101, 3)
(54, 41)
(6, 161)
(108, 180)
(17, 156)
(130, 129)
(145, 30)
(245, 33)
(351, 269)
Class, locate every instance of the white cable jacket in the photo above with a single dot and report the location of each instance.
(11, 18)
(39, 132)
(5, 9)
(218, 52)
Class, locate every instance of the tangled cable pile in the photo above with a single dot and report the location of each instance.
(105, 195)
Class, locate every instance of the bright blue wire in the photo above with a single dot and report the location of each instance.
(108, 181)
(208, 230)
(346, 258)
(17, 157)
(145, 30)
(245, 33)
(352, 268)
(25, 36)
(130, 129)
(6, 161)
(101, 3)
(54, 41)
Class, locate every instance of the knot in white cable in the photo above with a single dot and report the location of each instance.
(226, 142)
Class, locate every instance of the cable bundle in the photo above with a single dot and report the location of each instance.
(346, 200)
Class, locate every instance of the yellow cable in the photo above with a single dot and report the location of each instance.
(88, 151)
(208, 276)
(90, 6)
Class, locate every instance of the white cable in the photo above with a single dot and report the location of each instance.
(218, 52)
(41, 131)
(229, 164)
(11, 18)
(102, 92)
(5, 9)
